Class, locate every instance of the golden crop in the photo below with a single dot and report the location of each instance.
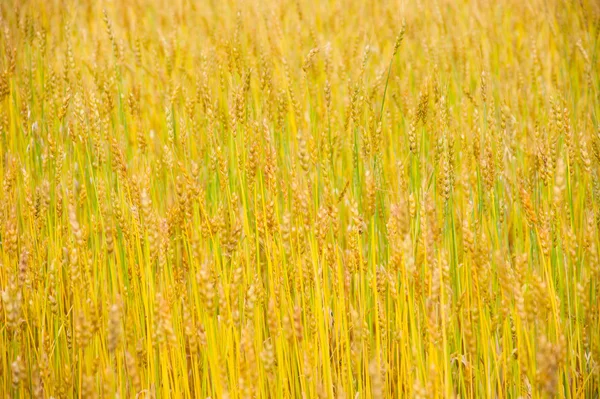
(299, 199)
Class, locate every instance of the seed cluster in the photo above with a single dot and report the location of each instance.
(299, 199)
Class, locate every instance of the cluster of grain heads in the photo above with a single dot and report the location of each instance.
(299, 199)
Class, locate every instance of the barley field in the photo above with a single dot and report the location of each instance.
(299, 199)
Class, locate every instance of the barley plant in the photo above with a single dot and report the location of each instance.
(299, 199)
